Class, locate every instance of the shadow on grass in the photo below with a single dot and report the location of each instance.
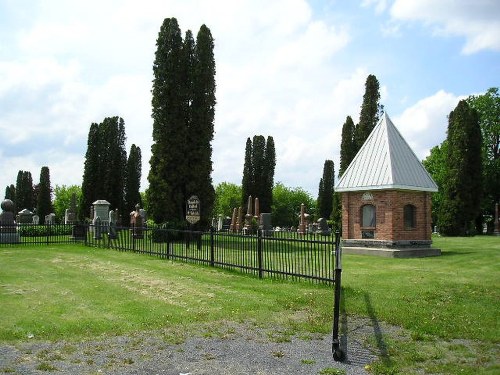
(378, 333)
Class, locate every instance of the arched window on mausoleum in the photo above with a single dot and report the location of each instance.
(368, 221)
(410, 216)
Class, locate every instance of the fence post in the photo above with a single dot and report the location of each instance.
(338, 353)
(259, 252)
(212, 246)
(133, 237)
(167, 242)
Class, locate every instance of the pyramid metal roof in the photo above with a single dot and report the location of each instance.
(385, 161)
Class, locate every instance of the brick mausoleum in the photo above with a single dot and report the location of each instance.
(386, 198)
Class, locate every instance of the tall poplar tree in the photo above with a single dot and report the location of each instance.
(24, 191)
(91, 182)
(463, 182)
(201, 124)
(266, 200)
(10, 192)
(167, 164)
(370, 111)
(348, 145)
(105, 165)
(133, 179)
(44, 199)
(247, 182)
(183, 123)
(324, 204)
(258, 172)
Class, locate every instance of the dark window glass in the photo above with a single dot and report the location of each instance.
(410, 217)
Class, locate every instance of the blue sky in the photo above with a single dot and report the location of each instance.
(292, 69)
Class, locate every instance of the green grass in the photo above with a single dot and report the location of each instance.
(449, 305)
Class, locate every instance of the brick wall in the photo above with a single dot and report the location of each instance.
(389, 205)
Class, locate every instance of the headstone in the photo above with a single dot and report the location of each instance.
(232, 227)
(220, 222)
(249, 216)
(97, 228)
(144, 215)
(323, 227)
(112, 225)
(8, 228)
(136, 223)
(25, 217)
(302, 223)
(101, 210)
(36, 219)
(50, 219)
(69, 217)
(265, 225)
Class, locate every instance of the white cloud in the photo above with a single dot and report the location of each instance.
(424, 124)
(477, 21)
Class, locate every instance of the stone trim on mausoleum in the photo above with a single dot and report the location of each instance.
(386, 198)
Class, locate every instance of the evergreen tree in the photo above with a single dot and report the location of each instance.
(44, 200)
(266, 199)
(370, 111)
(348, 145)
(168, 164)
(113, 162)
(324, 204)
(258, 172)
(133, 180)
(200, 124)
(258, 162)
(463, 182)
(247, 182)
(91, 182)
(24, 191)
(10, 193)
(105, 165)
(488, 107)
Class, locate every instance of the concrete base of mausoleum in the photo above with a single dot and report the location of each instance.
(390, 249)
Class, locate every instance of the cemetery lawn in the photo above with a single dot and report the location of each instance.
(448, 306)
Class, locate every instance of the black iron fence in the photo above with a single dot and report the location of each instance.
(31, 234)
(264, 254)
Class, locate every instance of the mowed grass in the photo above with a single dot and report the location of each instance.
(71, 292)
(448, 306)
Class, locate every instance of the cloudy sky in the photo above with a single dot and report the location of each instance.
(292, 69)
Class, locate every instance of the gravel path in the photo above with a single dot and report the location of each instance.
(234, 349)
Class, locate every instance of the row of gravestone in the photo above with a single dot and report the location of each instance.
(27, 217)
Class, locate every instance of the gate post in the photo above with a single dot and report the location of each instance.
(338, 353)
